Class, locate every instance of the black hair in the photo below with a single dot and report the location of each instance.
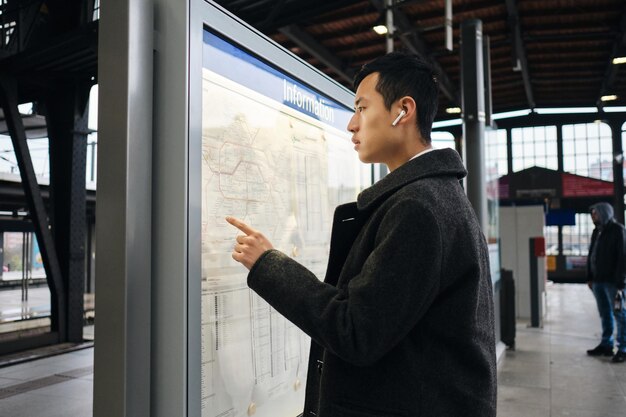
(401, 74)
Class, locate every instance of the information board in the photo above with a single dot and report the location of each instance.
(275, 153)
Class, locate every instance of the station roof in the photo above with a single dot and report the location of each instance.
(559, 190)
(544, 53)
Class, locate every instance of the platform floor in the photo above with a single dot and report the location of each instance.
(548, 375)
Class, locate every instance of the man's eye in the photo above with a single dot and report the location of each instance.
(359, 109)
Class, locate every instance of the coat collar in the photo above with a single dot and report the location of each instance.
(442, 162)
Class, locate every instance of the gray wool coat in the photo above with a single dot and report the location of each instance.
(403, 324)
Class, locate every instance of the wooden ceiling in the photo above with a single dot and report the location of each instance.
(544, 53)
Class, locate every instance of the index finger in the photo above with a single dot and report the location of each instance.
(240, 225)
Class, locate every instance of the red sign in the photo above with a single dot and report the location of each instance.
(540, 246)
(577, 186)
(503, 187)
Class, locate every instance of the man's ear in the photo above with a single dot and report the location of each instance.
(409, 106)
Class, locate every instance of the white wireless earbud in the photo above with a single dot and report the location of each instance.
(400, 116)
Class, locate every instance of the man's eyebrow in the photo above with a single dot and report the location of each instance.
(357, 101)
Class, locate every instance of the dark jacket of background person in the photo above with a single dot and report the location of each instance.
(406, 326)
(608, 249)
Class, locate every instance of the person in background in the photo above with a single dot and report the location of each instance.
(606, 278)
(403, 324)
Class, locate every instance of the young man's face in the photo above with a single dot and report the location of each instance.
(372, 132)
(594, 217)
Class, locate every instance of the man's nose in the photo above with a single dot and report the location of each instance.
(352, 124)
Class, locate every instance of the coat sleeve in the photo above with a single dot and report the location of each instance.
(593, 240)
(382, 302)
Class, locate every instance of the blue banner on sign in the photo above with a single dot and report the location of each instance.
(561, 217)
(229, 61)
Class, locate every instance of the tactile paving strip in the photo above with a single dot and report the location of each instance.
(34, 384)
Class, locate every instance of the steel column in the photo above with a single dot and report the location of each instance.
(535, 317)
(66, 119)
(8, 101)
(487, 80)
(520, 61)
(559, 147)
(509, 151)
(473, 98)
(618, 171)
(123, 356)
(1, 251)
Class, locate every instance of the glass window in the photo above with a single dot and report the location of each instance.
(518, 164)
(580, 147)
(496, 166)
(587, 150)
(576, 239)
(92, 139)
(96, 10)
(495, 144)
(568, 132)
(552, 240)
(534, 146)
(540, 150)
(442, 140)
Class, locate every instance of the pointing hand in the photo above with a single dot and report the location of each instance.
(250, 246)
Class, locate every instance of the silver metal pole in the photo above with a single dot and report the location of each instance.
(28, 270)
(23, 266)
(448, 24)
(122, 356)
(390, 27)
(473, 95)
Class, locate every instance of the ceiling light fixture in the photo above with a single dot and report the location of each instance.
(608, 98)
(619, 60)
(616, 109)
(453, 110)
(445, 123)
(380, 29)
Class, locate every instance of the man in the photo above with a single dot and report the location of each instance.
(605, 277)
(403, 323)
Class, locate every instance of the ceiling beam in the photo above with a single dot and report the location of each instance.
(293, 12)
(563, 37)
(520, 62)
(413, 42)
(273, 14)
(319, 51)
(619, 49)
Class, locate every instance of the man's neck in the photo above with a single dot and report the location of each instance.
(422, 152)
(410, 153)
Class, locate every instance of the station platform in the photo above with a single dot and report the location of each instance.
(548, 375)
(27, 312)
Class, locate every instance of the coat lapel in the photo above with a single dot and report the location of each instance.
(347, 224)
